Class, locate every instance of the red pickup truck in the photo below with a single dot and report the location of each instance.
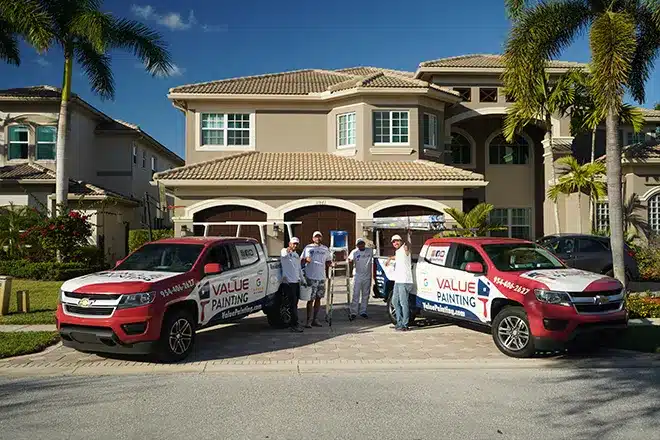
(154, 300)
(528, 297)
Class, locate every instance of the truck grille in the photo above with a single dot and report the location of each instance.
(595, 293)
(598, 308)
(104, 296)
(90, 311)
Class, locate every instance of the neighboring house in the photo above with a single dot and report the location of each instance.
(109, 162)
(335, 149)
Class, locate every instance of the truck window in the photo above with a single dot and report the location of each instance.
(221, 254)
(464, 254)
(437, 254)
(247, 254)
(163, 257)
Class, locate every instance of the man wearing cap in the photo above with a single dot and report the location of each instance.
(292, 277)
(403, 282)
(317, 259)
(361, 259)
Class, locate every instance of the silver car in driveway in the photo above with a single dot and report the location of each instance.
(589, 252)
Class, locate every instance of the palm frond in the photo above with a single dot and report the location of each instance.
(97, 69)
(91, 26)
(515, 8)
(647, 18)
(147, 45)
(29, 18)
(633, 116)
(554, 192)
(479, 214)
(613, 44)
(9, 51)
(458, 216)
(517, 117)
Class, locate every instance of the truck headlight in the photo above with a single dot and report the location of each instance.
(136, 300)
(553, 297)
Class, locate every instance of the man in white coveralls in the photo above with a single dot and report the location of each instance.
(361, 259)
(317, 259)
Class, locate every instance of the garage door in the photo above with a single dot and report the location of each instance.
(324, 219)
(418, 237)
(230, 213)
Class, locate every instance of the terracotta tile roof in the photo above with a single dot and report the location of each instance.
(32, 92)
(306, 82)
(639, 152)
(314, 167)
(487, 61)
(650, 113)
(31, 171)
(367, 70)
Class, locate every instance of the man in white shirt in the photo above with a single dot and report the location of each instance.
(292, 277)
(403, 282)
(361, 258)
(317, 259)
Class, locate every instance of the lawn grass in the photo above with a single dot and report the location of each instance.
(645, 338)
(18, 343)
(43, 302)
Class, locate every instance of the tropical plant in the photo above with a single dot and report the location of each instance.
(62, 235)
(580, 179)
(551, 96)
(656, 106)
(85, 33)
(622, 34)
(475, 223)
(13, 221)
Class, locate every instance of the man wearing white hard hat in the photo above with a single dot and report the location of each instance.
(317, 259)
(361, 258)
(403, 282)
(292, 277)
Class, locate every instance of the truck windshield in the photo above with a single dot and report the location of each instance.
(163, 257)
(515, 257)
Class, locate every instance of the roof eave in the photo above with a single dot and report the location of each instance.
(423, 69)
(315, 183)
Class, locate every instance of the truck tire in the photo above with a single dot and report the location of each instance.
(177, 336)
(391, 313)
(511, 333)
(278, 314)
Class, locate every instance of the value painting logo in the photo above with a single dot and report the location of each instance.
(463, 293)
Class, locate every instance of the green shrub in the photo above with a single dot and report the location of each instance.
(648, 260)
(45, 271)
(89, 255)
(138, 237)
(642, 307)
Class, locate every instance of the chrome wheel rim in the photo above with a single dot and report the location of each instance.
(285, 314)
(513, 333)
(180, 336)
(392, 310)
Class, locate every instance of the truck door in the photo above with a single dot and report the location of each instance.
(214, 288)
(251, 267)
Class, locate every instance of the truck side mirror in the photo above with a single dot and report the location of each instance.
(212, 268)
(474, 267)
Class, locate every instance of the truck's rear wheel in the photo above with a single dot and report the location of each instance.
(177, 337)
(511, 333)
(391, 311)
(278, 314)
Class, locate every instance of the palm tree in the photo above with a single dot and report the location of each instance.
(579, 179)
(26, 18)
(84, 33)
(552, 96)
(622, 34)
(475, 223)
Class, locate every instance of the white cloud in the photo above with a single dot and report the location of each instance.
(43, 62)
(171, 20)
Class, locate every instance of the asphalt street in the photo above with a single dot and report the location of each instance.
(447, 404)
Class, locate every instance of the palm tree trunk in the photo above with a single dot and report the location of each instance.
(553, 174)
(61, 182)
(592, 201)
(613, 151)
(579, 203)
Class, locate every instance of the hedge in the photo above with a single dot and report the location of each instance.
(138, 237)
(648, 261)
(641, 306)
(48, 271)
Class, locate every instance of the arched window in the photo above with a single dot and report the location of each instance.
(501, 152)
(461, 150)
(654, 213)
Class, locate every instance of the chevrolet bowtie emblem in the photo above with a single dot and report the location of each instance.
(600, 300)
(85, 302)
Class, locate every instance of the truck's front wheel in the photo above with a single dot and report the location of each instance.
(511, 333)
(177, 337)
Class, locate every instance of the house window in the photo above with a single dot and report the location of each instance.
(430, 130)
(635, 138)
(46, 141)
(654, 213)
(226, 129)
(144, 158)
(602, 217)
(391, 127)
(153, 164)
(18, 142)
(517, 222)
(346, 130)
(502, 152)
(461, 150)
(465, 92)
(488, 94)
(135, 154)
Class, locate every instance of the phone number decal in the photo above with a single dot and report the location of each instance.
(177, 288)
(511, 285)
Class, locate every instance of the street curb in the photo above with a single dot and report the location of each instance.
(644, 321)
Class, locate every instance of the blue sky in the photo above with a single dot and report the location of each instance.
(213, 40)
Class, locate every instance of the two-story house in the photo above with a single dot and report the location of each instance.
(110, 163)
(335, 149)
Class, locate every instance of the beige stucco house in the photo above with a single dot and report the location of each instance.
(110, 163)
(337, 148)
